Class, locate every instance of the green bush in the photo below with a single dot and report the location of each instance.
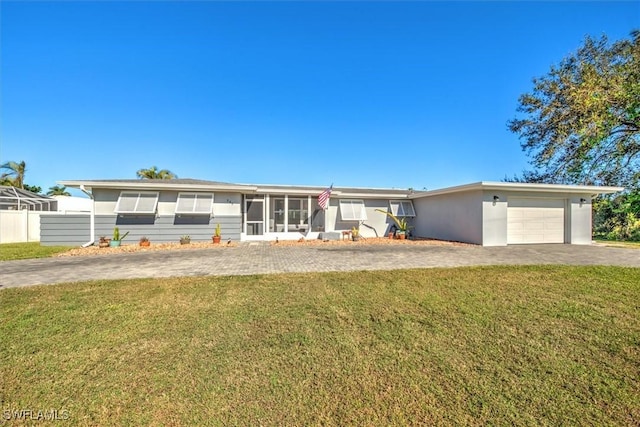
(617, 218)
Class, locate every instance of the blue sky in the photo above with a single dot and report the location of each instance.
(378, 94)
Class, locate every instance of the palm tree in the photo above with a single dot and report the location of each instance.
(58, 190)
(154, 173)
(15, 174)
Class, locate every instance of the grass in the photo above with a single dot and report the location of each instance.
(620, 243)
(11, 251)
(472, 346)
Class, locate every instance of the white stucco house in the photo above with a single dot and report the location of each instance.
(483, 213)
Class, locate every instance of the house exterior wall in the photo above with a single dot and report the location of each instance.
(163, 227)
(580, 230)
(168, 228)
(377, 224)
(225, 204)
(494, 219)
(452, 216)
(468, 215)
(577, 222)
(67, 230)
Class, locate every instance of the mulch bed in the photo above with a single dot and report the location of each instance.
(95, 250)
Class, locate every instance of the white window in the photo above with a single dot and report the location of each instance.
(133, 202)
(402, 208)
(352, 210)
(194, 203)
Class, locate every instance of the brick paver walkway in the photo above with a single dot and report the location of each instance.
(265, 259)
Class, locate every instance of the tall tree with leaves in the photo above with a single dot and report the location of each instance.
(581, 121)
(154, 173)
(58, 190)
(13, 173)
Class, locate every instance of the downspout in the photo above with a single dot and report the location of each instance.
(92, 218)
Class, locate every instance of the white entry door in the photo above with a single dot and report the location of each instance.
(535, 221)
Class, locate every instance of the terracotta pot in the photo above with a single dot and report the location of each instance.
(216, 239)
(401, 236)
(145, 243)
(391, 235)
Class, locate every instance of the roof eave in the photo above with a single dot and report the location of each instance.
(157, 185)
(521, 186)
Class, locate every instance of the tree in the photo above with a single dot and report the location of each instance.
(58, 190)
(33, 188)
(618, 217)
(14, 174)
(582, 119)
(154, 173)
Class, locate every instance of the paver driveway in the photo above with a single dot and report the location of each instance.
(263, 258)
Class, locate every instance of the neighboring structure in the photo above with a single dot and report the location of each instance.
(483, 213)
(17, 199)
(73, 204)
(20, 214)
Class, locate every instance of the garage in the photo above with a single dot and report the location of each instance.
(531, 220)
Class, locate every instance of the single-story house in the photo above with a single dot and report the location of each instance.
(484, 213)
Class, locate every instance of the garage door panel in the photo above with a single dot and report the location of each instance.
(535, 221)
(534, 226)
(531, 213)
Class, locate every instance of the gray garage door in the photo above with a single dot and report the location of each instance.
(535, 221)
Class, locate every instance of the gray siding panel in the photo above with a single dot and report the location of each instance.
(166, 229)
(71, 230)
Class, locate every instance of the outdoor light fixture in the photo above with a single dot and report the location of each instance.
(582, 201)
(496, 199)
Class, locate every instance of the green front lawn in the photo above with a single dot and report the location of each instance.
(10, 251)
(470, 346)
(620, 243)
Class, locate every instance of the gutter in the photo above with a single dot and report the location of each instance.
(92, 218)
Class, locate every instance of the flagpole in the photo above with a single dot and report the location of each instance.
(325, 205)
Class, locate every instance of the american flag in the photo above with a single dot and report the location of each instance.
(323, 198)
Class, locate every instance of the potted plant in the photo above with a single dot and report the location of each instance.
(117, 238)
(355, 234)
(144, 241)
(216, 234)
(104, 242)
(401, 223)
(185, 240)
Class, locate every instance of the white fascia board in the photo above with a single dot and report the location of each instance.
(291, 192)
(334, 193)
(550, 188)
(354, 195)
(521, 186)
(148, 185)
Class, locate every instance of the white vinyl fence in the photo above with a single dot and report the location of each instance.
(19, 226)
